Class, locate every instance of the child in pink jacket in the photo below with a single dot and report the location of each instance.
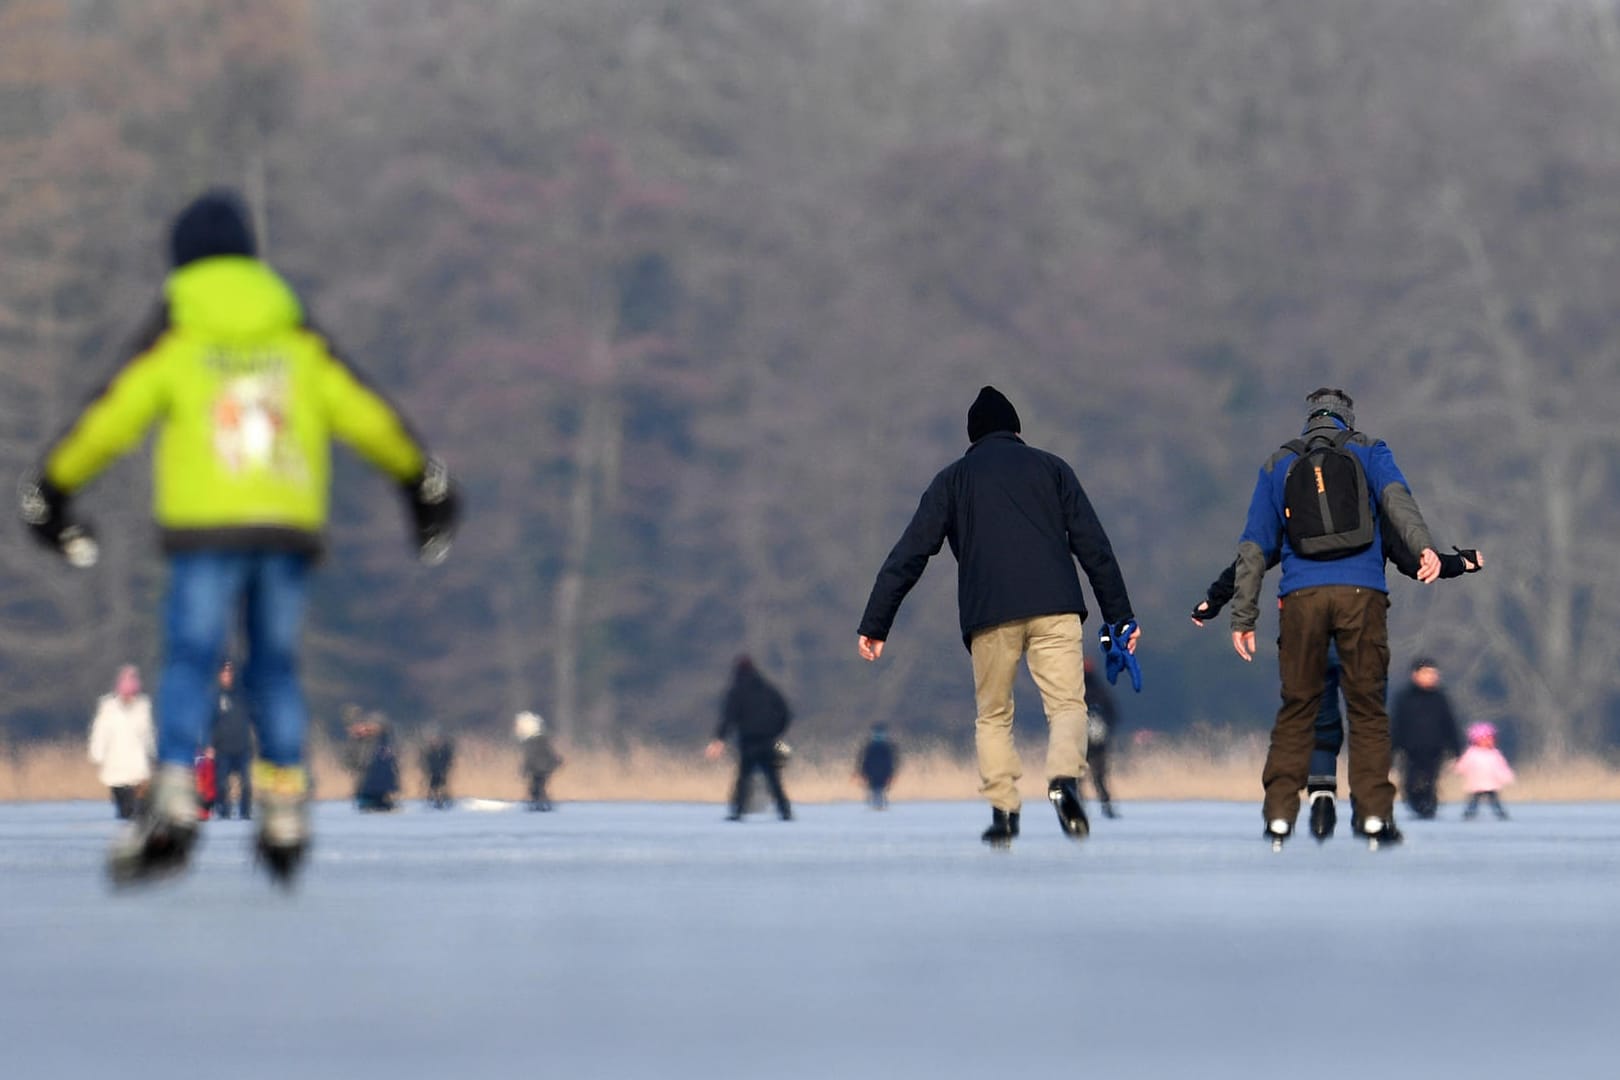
(1483, 769)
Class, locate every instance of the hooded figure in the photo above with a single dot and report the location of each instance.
(122, 744)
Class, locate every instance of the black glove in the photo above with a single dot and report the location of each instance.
(45, 509)
(434, 509)
(1470, 558)
(1206, 610)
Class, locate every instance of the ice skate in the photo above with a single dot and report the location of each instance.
(1324, 815)
(283, 838)
(1380, 833)
(1003, 828)
(1277, 833)
(1064, 792)
(158, 843)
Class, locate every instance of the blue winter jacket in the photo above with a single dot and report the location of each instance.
(1265, 540)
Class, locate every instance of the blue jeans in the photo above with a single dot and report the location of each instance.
(208, 592)
(1329, 729)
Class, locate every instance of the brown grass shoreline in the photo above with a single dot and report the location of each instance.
(1223, 769)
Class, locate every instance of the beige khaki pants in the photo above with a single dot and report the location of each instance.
(1052, 646)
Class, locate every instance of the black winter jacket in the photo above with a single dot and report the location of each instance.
(878, 762)
(231, 735)
(1016, 518)
(1422, 727)
(755, 712)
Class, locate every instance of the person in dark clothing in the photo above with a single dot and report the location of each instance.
(878, 763)
(1016, 519)
(1322, 784)
(232, 740)
(1333, 595)
(540, 757)
(1424, 732)
(370, 759)
(757, 715)
(1102, 719)
(438, 754)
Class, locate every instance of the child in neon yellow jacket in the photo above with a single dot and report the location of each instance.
(247, 395)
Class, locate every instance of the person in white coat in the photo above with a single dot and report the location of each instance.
(122, 742)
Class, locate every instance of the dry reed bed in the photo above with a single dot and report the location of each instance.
(1225, 768)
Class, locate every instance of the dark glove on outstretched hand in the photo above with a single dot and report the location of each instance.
(435, 507)
(1206, 610)
(45, 509)
(1116, 656)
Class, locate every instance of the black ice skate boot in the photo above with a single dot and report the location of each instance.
(1380, 833)
(1003, 828)
(1324, 815)
(1064, 792)
(1277, 833)
(158, 843)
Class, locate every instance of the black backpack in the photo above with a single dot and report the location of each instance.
(1325, 505)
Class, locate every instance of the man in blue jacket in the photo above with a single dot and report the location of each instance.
(1017, 519)
(1337, 598)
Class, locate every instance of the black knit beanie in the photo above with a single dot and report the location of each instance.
(214, 224)
(991, 412)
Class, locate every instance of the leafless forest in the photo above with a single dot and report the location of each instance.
(694, 294)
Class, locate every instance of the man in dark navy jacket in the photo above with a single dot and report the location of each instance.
(1016, 519)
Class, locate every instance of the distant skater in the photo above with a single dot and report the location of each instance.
(1484, 771)
(878, 763)
(755, 714)
(1423, 730)
(540, 758)
(122, 741)
(438, 755)
(233, 747)
(371, 760)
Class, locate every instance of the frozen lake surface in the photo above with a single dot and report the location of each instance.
(611, 940)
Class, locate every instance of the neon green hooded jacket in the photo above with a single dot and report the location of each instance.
(247, 397)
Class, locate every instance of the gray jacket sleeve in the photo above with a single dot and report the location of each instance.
(1403, 515)
(1250, 572)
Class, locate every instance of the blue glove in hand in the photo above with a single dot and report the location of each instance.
(1116, 656)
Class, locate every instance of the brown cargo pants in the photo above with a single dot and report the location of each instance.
(1051, 646)
(1355, 619)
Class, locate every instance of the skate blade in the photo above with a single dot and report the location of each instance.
(156, 863)
(1077, 828)
(1276, 845)
(282, 864)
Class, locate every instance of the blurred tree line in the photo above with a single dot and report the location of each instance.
(694, 294)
